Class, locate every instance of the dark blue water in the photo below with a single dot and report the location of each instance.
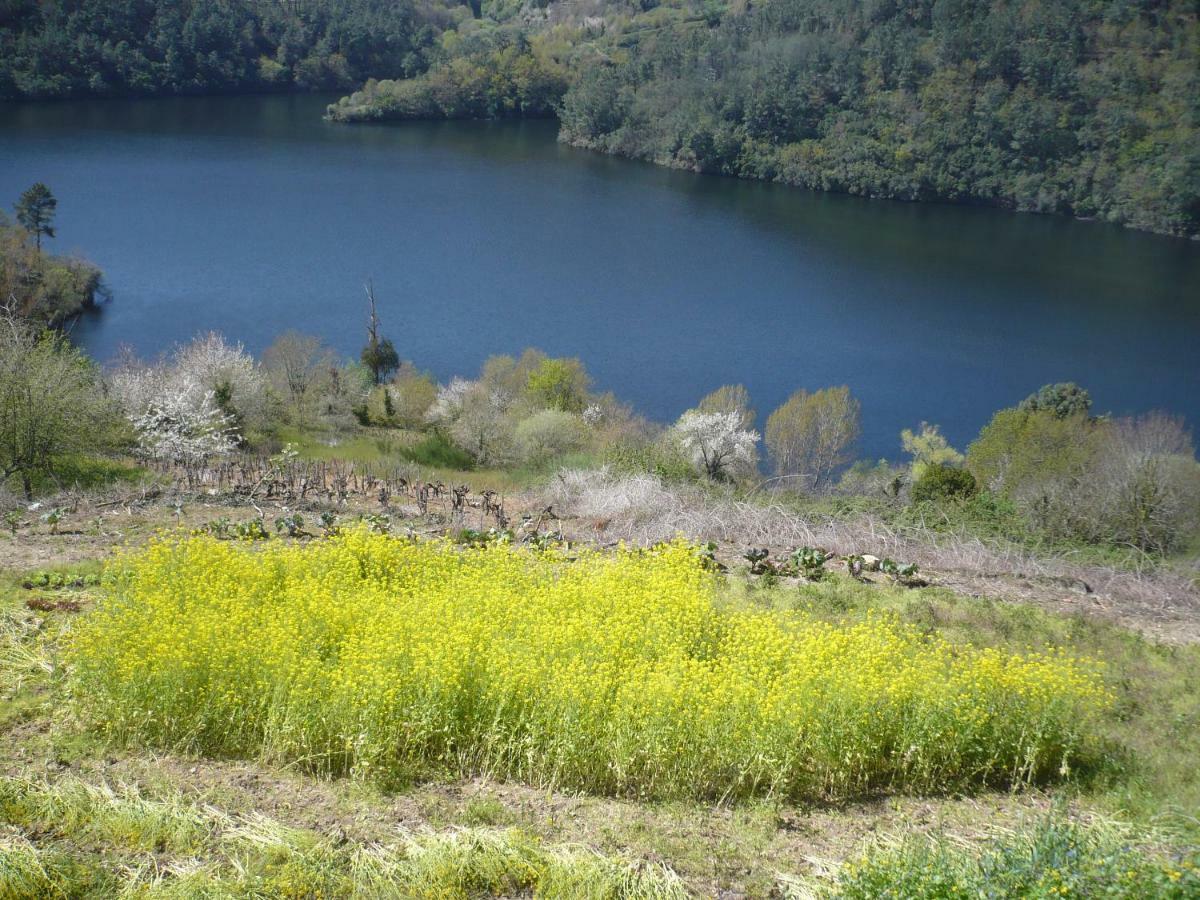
(251, 216)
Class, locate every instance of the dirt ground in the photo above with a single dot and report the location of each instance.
(95, 527)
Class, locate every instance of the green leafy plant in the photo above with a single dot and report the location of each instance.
(53, 517)
(379, 523)
(291, 524)
(760, 562)
(938, 483)
(329, 523)
(218, 528)
(707, 554)
(471, 537)
(53, 580)
(905, 574)
(285, 457)
(809, 562)
(253, 530)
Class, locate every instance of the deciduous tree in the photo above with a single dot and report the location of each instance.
(52, 404)
(297, 364)
(810, 436)
(716, 444)
(730, 398)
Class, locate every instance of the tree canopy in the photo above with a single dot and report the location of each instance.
(62, 48)
(52, 404)
(1089, 108)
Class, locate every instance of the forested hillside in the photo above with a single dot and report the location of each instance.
(1084, 107)
(62, 48)
(1088, 108)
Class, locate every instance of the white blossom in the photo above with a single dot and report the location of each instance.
(449, 403)
(172, 404)
(716, 444)
(175, 426)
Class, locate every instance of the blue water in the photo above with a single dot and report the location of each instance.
(250, 215)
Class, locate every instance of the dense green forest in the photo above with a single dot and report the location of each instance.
(1084, 107)
(63, 48)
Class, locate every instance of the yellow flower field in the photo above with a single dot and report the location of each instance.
(613, 673)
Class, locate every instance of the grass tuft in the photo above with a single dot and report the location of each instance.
(97, 841)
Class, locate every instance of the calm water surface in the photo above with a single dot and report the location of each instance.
(250, 215)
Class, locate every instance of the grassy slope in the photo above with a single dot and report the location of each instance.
(1151, 778)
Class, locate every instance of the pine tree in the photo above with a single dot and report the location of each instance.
(379, 355)
(35, 211)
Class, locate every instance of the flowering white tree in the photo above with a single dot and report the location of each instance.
(449, 402)
(187, 406)
(176, 426)
(716, 444)
(216, 364)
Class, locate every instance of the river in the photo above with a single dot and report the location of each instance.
(251, 215)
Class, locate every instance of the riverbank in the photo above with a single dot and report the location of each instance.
(244, 214)
(43, 287)
(893, 106)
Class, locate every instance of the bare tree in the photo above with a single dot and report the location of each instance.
(297, 365)
(481, 426)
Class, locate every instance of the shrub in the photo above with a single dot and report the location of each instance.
(549, 434)
(928, 447)
(615, 673)
(413, 394)
(662, 460)
(560, 384)
(1020, 452)
(941, 482)
(1125, 481)
(436, 450)
(52, 406)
